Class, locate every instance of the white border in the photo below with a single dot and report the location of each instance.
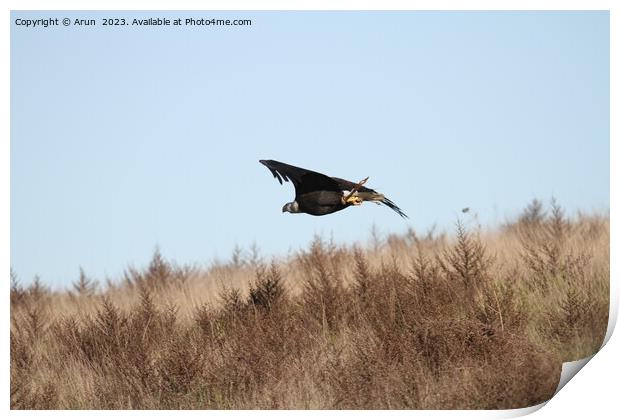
(594, 390)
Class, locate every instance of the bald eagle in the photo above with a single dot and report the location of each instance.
(319, 194)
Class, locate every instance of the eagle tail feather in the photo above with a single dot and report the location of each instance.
(379, 198)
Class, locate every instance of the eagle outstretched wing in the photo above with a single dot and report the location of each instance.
(304, 180)
(344, 185)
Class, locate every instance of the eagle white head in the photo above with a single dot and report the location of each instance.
(292, 207)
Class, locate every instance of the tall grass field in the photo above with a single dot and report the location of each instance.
(472, 318)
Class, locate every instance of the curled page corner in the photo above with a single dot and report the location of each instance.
(569, 370)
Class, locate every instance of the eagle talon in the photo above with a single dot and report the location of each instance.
(353, 200)
(354, 190)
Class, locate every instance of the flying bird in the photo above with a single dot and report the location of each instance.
(319, 194)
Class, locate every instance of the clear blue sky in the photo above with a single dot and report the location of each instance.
(127, 138)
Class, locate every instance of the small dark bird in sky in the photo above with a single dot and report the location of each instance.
(465, 210)
(319, 194)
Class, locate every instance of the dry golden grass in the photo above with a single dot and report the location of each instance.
(478, 320)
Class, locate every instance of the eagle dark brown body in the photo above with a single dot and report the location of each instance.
(320, 203)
